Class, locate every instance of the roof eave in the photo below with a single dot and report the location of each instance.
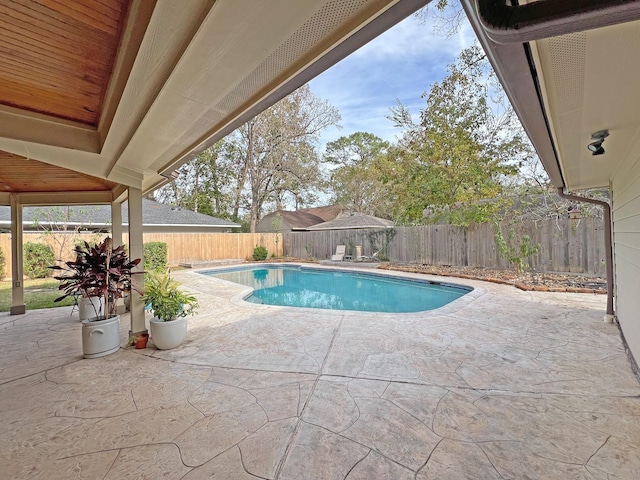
(515, 69)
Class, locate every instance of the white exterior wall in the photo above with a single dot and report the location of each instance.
(626, 237)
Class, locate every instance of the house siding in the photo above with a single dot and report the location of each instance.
(625, 187)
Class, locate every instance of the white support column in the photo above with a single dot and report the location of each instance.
(116, 236)
(116, 223)
(17, 288)
(136, 251)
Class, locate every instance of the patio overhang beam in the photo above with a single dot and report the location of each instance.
(59, 198)
(389, 17)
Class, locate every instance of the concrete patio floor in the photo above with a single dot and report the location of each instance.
(499, 384)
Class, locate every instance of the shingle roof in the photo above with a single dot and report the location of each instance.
(153, 213)
(353, 220)
(326, 213)
(299, 220)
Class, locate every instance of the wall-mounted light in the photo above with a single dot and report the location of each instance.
(596, 147)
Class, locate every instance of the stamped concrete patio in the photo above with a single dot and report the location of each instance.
(499, 384)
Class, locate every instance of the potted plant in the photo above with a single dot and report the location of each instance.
(104, 272)
(170, 307)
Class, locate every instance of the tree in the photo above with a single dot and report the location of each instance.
(274, 154)
(449, 16)
(356, 181)
(203, 184)
(62, 225)
(460, 153)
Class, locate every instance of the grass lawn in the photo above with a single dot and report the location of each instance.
(38, 293)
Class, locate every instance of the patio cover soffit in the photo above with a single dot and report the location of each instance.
(129, 90)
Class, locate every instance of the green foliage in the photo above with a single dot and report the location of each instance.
(308, 247)
(3, 264)
(155, 257)
(380, 240)
(459, 154)
(36, 260)
(39, 293)
(260, 253)
(357, 181)
(270, 160)
(513, 250)
(98, 271)
(167, 301)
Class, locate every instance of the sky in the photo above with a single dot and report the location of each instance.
(402, 63)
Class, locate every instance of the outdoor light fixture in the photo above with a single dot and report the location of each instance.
(598, 137)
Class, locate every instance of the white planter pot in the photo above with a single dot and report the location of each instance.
(166, 335)
(101, 337)
(88, 306)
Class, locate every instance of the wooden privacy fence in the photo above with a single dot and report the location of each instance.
(566, 245)
(182, 247)
(189, 247)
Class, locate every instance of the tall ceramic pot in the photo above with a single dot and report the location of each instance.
(166, 335)
(90, 307)
(100, 337)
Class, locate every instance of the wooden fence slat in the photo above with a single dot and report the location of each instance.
(182, 247)
(566, 245)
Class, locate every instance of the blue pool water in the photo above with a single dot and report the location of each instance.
(339, 290)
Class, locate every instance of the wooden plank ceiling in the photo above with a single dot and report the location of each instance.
(22, 175)
(56, 56)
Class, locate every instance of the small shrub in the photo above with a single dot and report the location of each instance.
(3, 264)
(37, 258)
(155, 257)
(512, 251)
(260, 253)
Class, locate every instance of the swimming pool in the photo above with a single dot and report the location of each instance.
(296, 286)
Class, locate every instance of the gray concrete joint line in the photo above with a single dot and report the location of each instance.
(596, 452)
(356, 464)
(306, 404)
(244, 467)
(40, 372)
(358, 443)
(428, 458)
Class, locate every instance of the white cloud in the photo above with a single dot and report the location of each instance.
(402, 63)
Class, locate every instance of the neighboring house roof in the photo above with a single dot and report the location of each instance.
(153, 214)
(326, 213)
(299, 220)
(353, 220)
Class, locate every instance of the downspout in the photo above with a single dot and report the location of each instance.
(610, 316)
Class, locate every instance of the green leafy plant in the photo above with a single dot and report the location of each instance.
(380, 241)
(3, 264)
(98, 271)
(167, 301)
(37, 258)
(513, 251)
(260, 253)
(308, 247)
(156, 257)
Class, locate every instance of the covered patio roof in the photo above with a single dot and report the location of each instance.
(128, 90)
